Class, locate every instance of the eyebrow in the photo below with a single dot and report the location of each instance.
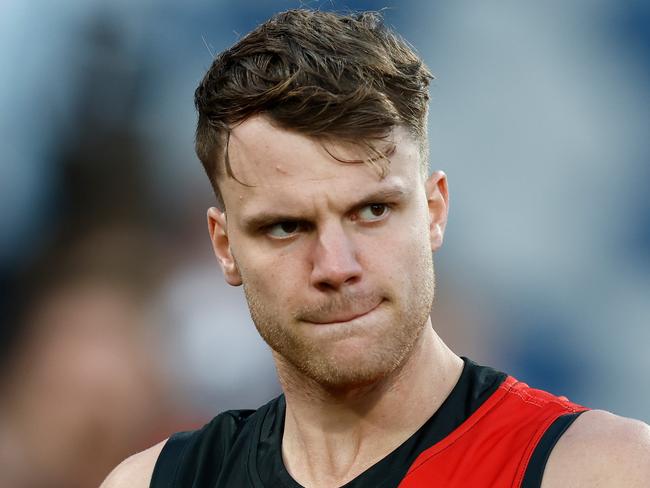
(394, 192)
(265, 218)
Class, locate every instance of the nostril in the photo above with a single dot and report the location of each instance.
(324, 287)
(336, 282)
(352, 280)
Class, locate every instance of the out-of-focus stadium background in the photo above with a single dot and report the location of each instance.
(116, 327)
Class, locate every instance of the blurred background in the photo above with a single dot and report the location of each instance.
(116, 327)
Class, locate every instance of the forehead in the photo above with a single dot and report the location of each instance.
(275, 165)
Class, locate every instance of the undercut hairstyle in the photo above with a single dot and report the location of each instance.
(331, 76)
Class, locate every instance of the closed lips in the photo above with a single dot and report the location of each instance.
(342, 317)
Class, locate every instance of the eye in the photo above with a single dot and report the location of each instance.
(284, 230)
(373, 212)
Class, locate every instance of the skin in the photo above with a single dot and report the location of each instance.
(304, 286)
(337, 268)
(342, 376)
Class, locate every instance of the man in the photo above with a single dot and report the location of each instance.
(312, 130)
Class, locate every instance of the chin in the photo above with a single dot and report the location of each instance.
(346, 377)
(344, 357)
(351, 364)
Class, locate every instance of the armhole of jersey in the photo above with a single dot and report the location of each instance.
(535, 469)
(169, 459)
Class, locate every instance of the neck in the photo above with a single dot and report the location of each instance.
(330, 437)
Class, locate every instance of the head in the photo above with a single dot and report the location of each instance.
(329, 76)
(312, 130)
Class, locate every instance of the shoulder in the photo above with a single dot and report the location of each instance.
(186, 452)
(135, 471)
(600, 449)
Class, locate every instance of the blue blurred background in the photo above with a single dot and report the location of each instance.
(116, 326)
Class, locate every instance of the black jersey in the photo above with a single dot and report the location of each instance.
(243, 448)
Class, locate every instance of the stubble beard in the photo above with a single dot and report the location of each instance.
(318, 363)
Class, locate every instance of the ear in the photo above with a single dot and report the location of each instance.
(438, 203)
(221, 245)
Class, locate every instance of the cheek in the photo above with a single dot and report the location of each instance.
(272, 276)
(394, 263)
(406, 254)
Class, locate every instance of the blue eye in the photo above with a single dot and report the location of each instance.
(373, 212)
(283, 230)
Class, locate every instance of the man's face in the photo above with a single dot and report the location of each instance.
(335, 261)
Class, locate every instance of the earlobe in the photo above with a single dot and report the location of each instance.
(438, 204)
(221, 246)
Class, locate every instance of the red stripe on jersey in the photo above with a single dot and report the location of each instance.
(493, 446)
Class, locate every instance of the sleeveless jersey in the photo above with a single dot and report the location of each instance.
(492, 431)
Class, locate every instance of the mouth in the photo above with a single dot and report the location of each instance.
(344, 317)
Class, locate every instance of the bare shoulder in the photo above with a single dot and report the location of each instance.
(600, 449)
(135, 471)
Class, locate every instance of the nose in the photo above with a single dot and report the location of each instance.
(335, 261)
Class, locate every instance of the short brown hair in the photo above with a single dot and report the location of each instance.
(322, 74)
